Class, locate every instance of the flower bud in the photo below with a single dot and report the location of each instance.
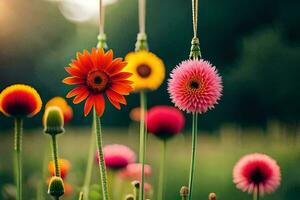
(56, 187)
(212, 196)
(129, 197)
(184, 192)
(136, 189)
(53, 121)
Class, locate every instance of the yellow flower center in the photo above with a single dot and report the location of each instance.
(97, 81)
(143, 70)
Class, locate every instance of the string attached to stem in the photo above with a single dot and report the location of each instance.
(142, 43)
(102, 36)
(195, 52)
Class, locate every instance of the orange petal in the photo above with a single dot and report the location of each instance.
(73, 80)
(76, 91)
(88, 105)
(121, 88)
(74, 71)
(108, 57)
(124, 82)
(114, 103)
(80, 97)
(84, 62)
(99, 104)
(116, 96)
(116, 66)
(121, 76)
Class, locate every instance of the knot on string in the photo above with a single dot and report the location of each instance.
(195, 52)
(102, 41)
(141, 42)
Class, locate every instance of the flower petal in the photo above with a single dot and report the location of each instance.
(108, 57)
(73, 80)
(114, 103)
(75, 71)
(116, 96)
(76, 91)
(121, 76)
(88, 105)
(80, 97)
(99, 104)
(121, 88)
(116, 66)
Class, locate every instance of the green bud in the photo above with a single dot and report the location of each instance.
(141, 43)
(195, 49)
(212, 196)
(129, 197)
(53, 121)
(56, 187)
(136, 189)
(102, 41)
(184, 193)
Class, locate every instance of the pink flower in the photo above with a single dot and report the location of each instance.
(165, 121)
(134, 171)
(195, 86)
(117, 156)
(257, 172)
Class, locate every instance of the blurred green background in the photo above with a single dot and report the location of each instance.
(255, 45)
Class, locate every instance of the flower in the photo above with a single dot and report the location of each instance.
(20, 101)
(117, 156)
(63, 105)
(257, 172)
(68, 189)
(96, 74)
(195, 86)
(148, 70)
(164, 121)
(133, 171)
(56, 187)
(64, 166)
(53, 121)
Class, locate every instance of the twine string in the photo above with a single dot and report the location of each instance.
(195, 16)
(101, 17)
(142, 16)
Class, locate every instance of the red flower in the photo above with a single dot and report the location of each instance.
(64, 166)
(134, 171)
(96, 74)
(164, 121)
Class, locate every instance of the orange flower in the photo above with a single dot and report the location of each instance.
(68, 189)
(63, 105)
(96, 74)
(20, 101)
(64, 166)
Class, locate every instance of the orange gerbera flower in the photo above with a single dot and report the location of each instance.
(96, 74)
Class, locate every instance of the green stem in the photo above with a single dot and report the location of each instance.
(89, 168)
(193, 156)
(256, 194)
(55, 155)
(161, 183)
(101, 162)
(18, 154)
(143, 139)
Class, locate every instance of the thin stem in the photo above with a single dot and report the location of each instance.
(89, 168)
(101, 162)
(142, 16)
(143, 139)
(193, 156)
(256, 194)
(161, 184)
(55, 155)
(101, 17)
(18, 154)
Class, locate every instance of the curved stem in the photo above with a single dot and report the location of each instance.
(101, 162)
(55, 155)
(89, 168)
(143, 140)
(161, 183)
(193, 156)
(18, 155)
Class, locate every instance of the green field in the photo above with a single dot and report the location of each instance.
(216, 156)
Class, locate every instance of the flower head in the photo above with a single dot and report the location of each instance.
(63, 105)
(56, 187)
(257, 172)
(117, 156)
(195, 86)
(164, 121)
(20, 101)
(148, 70)
(134, 171)
(96, 74)
(64, 166)
(135, 114)
(53, 120)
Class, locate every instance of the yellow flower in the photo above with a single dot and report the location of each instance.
(148, 70)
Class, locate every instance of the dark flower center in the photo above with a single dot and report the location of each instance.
(257, 176)
(194, 84)
(97, 81)
(144, 70)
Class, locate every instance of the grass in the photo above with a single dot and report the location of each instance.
(216, 155)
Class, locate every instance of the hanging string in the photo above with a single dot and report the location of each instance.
(101, 36)
(195, 52)
(141, 43)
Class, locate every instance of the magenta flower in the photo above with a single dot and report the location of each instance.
(195, 86)
(117, 156)
(134, 171)
(257, 173)
(164, 121)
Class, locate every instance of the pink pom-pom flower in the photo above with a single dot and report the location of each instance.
(117, 156)
(164, 121)
(133, 171)
(195, 86)
(257, 173)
